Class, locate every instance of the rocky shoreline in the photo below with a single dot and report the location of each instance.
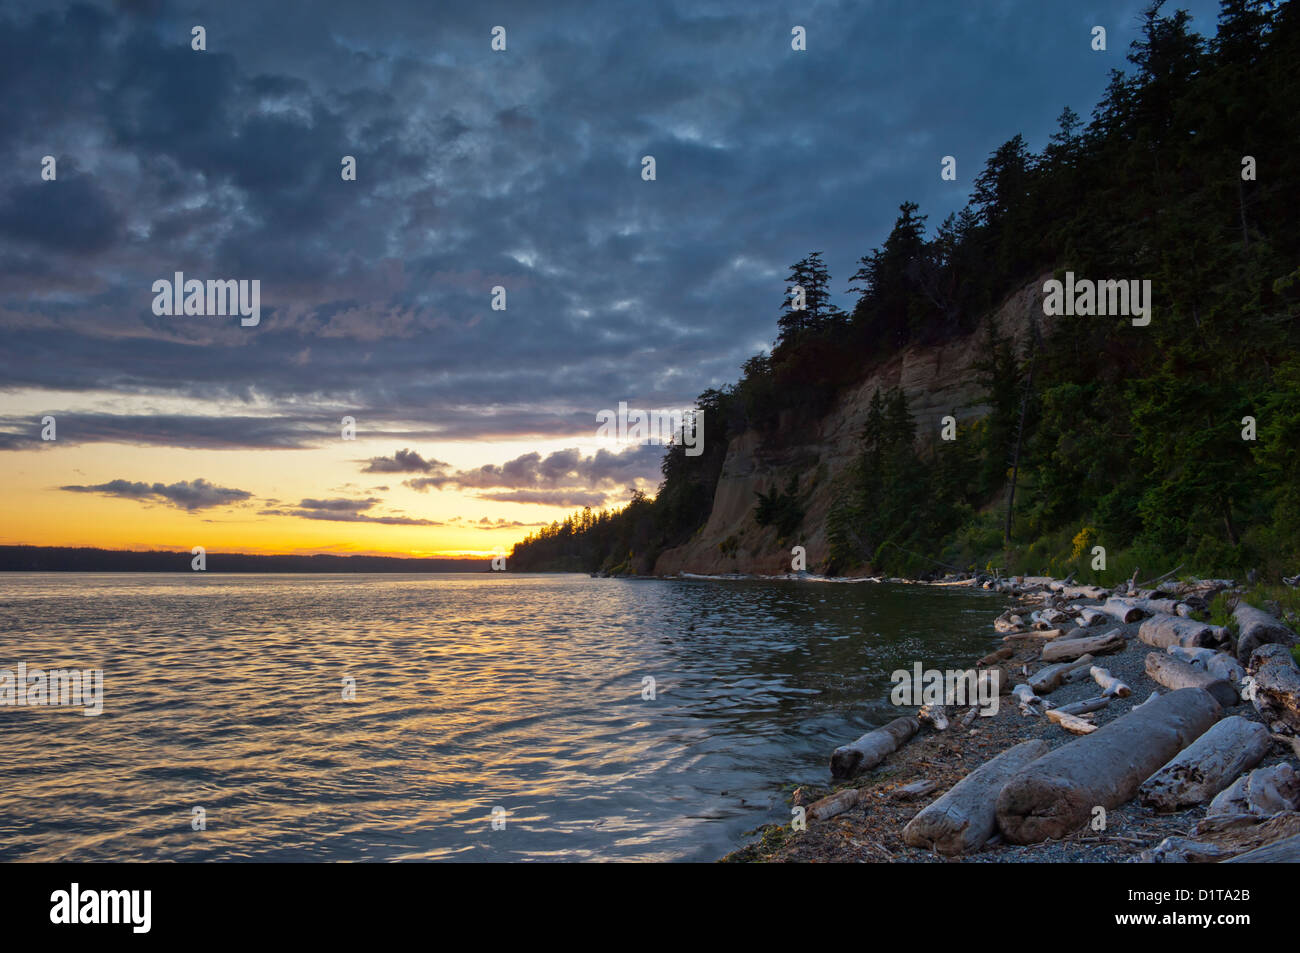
(1219, 730)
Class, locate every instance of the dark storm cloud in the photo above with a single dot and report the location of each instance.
(186, 495)
(477, 169)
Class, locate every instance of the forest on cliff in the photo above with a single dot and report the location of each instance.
(1100, 432)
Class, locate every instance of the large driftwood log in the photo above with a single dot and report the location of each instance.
(1256, 627)
(1175, 673)
(1219, 664)
(1066, 650)
(1162, 631)
(1056, 794)
(1050, 678)
(1207, 766)
(1263, 792)
(1153, 606)
(873, 747)
(1274, 687)
(963, 819)
(1285, 851)
(1121, 610)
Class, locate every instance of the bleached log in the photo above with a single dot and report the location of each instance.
(1255, 628)
(1162, 631)
(1149, 699)
(1069, 649)
(1047, 680)
(836, 803)
(1153, 606)
(1029, 702)
(1206, 766)
(1055, 795)
(873, 747)
(1121, 610)
(1084, 592)
(1110, 685)
(1085, 706)
(1263, 792)
(1175, 673)
(1184, 850)
(970, 716)
(964, 818)
(1274, 687)
(1008, 624)
(1089, 617)
(1219, 664)
(1071, 723)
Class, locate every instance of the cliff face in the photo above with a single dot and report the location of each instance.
(937, 381)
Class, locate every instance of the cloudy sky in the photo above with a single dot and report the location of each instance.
(475, 168)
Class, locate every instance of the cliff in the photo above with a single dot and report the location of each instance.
(937, 381)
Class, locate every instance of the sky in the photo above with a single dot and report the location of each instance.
(476, 169)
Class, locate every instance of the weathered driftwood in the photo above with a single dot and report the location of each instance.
(1175, 673)
(1083, 592)
(936, 716)
(873, 747)
(1206, 766)
(1035, 638)
(1219, 664)
(1069, 649)
(836, 803)
(1085, 706)
(1050, 678)
(1029, 702)
(963, 819)
(1184, 850)
(1121, 610)
(1263, 792)
(1149, 699)
(1110, 685)
(1285, 851)
(1153, 606)
(1089, 617)
(970, 716)
(1162, 631)
(909, 792)
(1074, 724)
(1055, 795)
(1255, 628)
(1274, 687)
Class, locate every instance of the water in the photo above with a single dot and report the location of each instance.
(473, 692)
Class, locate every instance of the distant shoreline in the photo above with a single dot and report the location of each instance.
(74, 559)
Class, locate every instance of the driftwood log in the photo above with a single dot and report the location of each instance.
(835, 804)
(1055, 795)
(1121, 610)
(1074, 724)
(1050, 678)
(1162, 631)
(1110, 685)
(1263, 792)
(873, 747)
(1286, 851)
(1175, 673)
(1275, 687)
(963, 819)
(1067, 650)
(1206, 766)
(1089, 617)
(1256, 627)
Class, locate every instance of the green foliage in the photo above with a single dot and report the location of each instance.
(781, 510)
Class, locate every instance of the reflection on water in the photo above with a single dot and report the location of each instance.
(474, 692)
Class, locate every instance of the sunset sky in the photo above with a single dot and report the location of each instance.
(475, 169)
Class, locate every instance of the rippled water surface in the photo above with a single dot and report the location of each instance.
(473, 692)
